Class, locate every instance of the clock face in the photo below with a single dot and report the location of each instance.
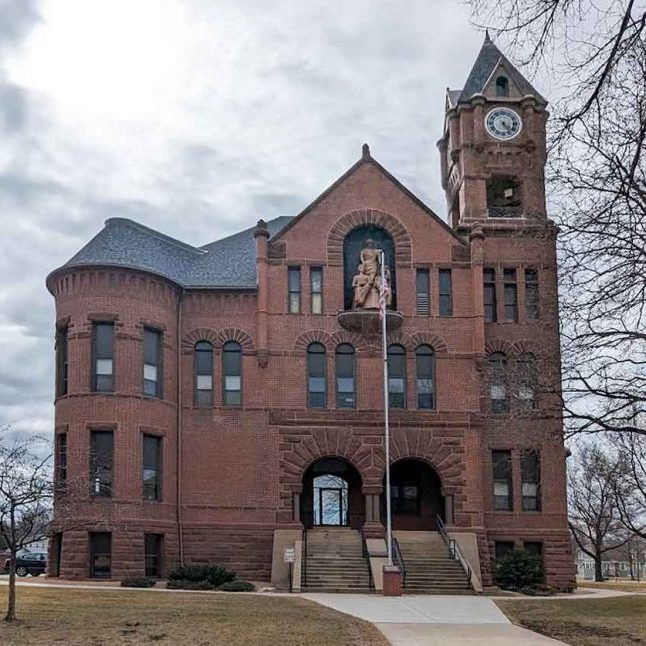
(503, 123)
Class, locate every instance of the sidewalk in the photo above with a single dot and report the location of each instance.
(435, 620)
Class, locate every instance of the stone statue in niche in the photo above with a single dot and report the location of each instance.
(367, 281)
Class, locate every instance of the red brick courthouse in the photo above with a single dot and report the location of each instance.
(222, 403)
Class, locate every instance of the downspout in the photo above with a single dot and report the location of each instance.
(178, 407)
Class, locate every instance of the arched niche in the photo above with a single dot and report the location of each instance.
(353, 243)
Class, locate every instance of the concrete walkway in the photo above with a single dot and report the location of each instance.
(435, 620)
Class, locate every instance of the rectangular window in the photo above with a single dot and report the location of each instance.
(511, 295)
(294, 290)
(345, 377)
(503, 548)
(532, 308)
(446, 293)
(490, 302)
(101, 463)
(100, 555)
(153, 546)
(422, 287)
(530, 469)
(102, 350)
(316, 289)
(61, 361)
(152, 362)
(61, 462)
(152, 467)
(502, 489)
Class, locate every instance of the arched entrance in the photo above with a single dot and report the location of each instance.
(332, 494)
(415, 496)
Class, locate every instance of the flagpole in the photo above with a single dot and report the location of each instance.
(384, 350)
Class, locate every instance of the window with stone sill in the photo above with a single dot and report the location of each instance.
(502, 480)
(396, 376)
(203, 363)
(316, 376)
(102, 356)
(345, 381)
(232, 373)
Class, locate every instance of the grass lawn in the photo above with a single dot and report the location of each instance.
(97, 618)
(618, 621)
(624, 586)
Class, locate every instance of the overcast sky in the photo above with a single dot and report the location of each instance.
(197, 118)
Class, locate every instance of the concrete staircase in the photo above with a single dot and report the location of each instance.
(334, 561)
(429, 566)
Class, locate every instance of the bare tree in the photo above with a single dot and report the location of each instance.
(26, 492)
(631, 484)
(594, 516)
(597, 182)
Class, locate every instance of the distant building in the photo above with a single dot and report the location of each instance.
(202, 393)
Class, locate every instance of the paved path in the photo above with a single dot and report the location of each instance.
(435, 620)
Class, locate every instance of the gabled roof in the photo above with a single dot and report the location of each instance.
(229, 263)
(486, 62)
(366, 158)
(226, 263)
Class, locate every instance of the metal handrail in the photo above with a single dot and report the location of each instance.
(399, 557)
(454, 551)
(366, 555)
(304, 559)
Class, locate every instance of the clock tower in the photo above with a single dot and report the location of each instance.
(493, 147)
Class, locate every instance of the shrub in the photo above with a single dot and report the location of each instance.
(237, 586)
(540, 590)
(519, 570)
(138, 582)
(214, 574)
(183, 584)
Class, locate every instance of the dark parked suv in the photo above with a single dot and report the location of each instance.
(33, 563)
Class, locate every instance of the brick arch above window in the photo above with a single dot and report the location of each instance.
(189, 339)
(354, 219)
(358, 342)
(525, 346)
(499, 345)
(237, 335)
(313, 336)
(436, 342)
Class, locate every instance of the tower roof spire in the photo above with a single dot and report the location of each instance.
(487, 61)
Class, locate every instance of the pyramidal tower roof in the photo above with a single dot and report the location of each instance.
(489, 58)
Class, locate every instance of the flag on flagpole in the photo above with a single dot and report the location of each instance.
(384, 289)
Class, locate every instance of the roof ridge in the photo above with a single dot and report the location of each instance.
(153, 232)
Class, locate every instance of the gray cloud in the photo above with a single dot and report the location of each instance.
(268, 108)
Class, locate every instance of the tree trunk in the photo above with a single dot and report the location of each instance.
(598, 572)
(11, 603)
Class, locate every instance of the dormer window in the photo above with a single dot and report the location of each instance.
(502, 86)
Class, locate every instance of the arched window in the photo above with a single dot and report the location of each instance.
(396, 376)
(425, 370)
(502, 86)
(316, 387)
(498, 383)
(527, 378)
(232, 373)
(345, 397)
(203, 363)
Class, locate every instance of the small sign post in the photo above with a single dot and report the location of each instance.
(289, 556)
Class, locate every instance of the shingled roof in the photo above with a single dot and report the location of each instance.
(486, 62)
(226, 263)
